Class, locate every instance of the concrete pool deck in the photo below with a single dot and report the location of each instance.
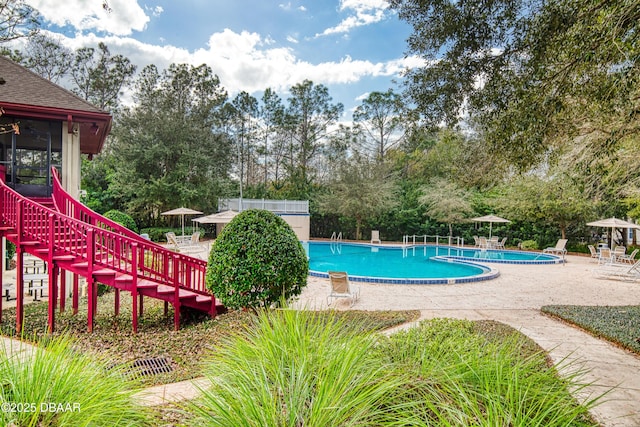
(515, 298)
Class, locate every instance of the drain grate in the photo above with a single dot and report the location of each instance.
(150, 366)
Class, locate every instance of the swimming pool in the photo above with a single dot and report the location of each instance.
(413, 264)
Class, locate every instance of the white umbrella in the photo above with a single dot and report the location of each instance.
(490, 219)
(182, 212)
(217, 218)
(613, 223)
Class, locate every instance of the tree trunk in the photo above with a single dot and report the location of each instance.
(358, 225)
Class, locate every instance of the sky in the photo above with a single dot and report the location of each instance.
(353, 47)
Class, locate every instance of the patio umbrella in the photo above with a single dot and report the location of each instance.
(490, 219)
(182, 212)
(613, 223)
(217, 218)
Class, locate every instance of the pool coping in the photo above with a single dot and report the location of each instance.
(491, 272)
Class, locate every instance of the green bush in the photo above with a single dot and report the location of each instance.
(464, 377)
(256, 261)
(122, 219)
(297, 368)
(306, 368)
(529, 244)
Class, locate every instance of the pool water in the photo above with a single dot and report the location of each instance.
(414, 264)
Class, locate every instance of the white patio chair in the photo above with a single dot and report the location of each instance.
(558, 249)
(618, 271)
(341, 287)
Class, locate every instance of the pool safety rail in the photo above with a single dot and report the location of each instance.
(336, 237)
(428, 239)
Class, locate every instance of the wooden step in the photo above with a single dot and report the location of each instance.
(124, 278)
(203, 298)
(64, 258)
(80, 265)
(147, 284)
(31, 243)
(104, 272)
(182, 293)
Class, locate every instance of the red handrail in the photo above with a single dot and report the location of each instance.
(69, 206)
(112, 245)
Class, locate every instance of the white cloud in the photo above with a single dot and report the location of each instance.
(247, 62)
(244, 61)
(363, 96)
(155, 11)
(366, 12)
(124, 18)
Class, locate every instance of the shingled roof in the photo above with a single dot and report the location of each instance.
(25, 94)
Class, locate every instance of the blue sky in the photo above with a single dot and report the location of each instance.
(351, 46)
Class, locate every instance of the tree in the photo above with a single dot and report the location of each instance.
(100, 77)
(45, 56)
(362, 189)
(310, 112)
(380, 118)
(446, 202)
(256, 261)
(272, 115)
(532, 75)
(244, 110)
(17, 20)
(555, 200)
(170, 148)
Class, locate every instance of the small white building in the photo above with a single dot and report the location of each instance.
(294, 212)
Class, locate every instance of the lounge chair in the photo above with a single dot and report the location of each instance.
(185, 246)
(341, 287)
(476, 241)
(195, 238)
(558, 249)
(594, 253)
(172, 240)
(375, 236)
(618, 252)
(628, 258)
(618, 271)
(483, 243)
(500, 244)
(606, 256)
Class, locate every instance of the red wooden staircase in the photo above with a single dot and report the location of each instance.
(70, 237)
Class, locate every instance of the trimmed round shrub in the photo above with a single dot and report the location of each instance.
(256, 261)
(122, 219)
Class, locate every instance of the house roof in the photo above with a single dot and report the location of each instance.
(25, 94)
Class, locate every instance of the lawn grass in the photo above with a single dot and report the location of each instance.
(618, 324)
(185, 349)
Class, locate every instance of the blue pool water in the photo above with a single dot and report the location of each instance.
(415, 264)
